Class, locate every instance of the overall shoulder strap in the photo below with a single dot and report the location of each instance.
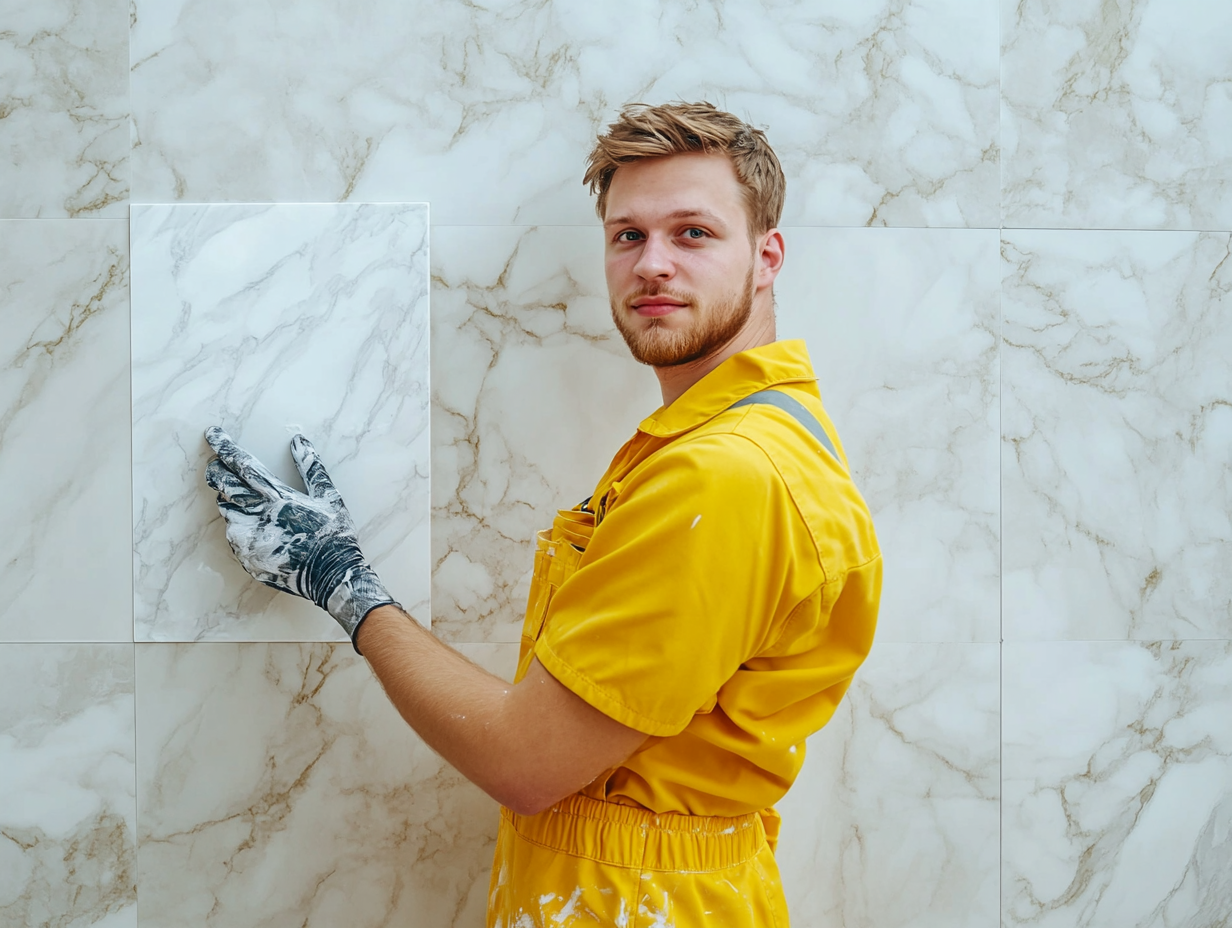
(793, 408)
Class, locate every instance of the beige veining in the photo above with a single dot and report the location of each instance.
(1116, 427)
(64, 110)
(1142, 775)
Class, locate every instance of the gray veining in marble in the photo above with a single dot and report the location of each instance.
(1117, 784)
(67, 815)
(268, 320)
(883, 112)
(1117, 433)
(1117, 114)
(64, 431)
(277, 786)
(64, 126)
(893, 820)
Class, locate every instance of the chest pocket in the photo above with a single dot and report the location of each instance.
(558, 551)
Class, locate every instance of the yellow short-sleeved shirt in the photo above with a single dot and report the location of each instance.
(727, 595)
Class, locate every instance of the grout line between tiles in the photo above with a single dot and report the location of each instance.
(132, 528)
(1000, 592)
(951, 641)
(577, 225)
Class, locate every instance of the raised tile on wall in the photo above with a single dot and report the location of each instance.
(901, 326)
(533, 392)
(64, 432)
(276, 784)
(893, 821)
(1117, 432)
(67, 816)
(882, 112)
(269, 320)
(1117, 115)
(65, 109)
(1117, 783)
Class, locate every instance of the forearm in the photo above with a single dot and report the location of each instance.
(457, 707)
(504, 738)
(526, 745)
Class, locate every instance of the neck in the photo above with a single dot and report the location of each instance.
(757, 331)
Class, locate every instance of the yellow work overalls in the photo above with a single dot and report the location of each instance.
(594, 863)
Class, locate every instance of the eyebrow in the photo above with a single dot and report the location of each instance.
(677, 214)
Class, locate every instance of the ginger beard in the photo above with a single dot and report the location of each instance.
(652, 342)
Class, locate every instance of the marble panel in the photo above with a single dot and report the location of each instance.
(67, 815)
(1117, 764)
(65, 572)
(277, 786)
(64, 127)
(893, 821)
(1117, 114)
(1117, 432)
(269, 320)
(903, 332)
(533, 392)
(882, 113)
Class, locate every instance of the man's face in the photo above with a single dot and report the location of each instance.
(679, 260)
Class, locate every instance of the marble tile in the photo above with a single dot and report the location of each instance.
(902, 325)
(882, 113)
(893, 821)
(533, 392)
(1117, 431)
(67, 816)
(267, 320)
(64, 127)
(1117, 784)
(65, 572)
(277, 786)
(1117, 114)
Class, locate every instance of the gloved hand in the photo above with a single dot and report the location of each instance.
(299, 543)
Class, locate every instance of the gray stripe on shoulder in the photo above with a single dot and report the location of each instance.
(793, 408)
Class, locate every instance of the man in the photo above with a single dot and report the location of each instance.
(690, 624)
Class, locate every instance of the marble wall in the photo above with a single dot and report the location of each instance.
(1009, 238)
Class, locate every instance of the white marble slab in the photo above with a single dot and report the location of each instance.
(64, 126)
(278, 786)
(533, 392)
(882, 113)
(1117, 432)
(65, 572)
(894, 820)
(902, 328)
(67, 815)
(1117, 115)
(1118, 783)
(267, 320)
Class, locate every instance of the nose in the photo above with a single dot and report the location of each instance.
(655, 261)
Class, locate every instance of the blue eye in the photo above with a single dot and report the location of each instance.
(695, 233)
(632, 236)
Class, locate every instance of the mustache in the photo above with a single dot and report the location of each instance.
(658, 290)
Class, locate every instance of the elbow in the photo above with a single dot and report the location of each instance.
(526, 798)
(527, 808)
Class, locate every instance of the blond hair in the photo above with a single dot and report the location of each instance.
(676, 128)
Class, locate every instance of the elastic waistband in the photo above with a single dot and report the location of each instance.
(627, 836)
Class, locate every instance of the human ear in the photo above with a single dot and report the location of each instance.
(769, 256)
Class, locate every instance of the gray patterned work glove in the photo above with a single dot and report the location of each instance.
(299, 543)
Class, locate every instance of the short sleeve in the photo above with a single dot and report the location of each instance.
(682, 583)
